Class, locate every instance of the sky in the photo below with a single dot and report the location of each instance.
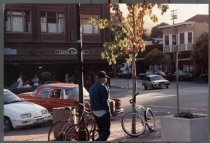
(183, 11)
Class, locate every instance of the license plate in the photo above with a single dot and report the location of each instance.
(40, 120)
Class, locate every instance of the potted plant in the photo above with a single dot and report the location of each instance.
(185, 126)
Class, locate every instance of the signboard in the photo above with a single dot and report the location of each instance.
(70, 51)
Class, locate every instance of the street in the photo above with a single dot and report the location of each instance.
(193, 97)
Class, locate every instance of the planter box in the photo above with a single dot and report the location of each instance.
(182, 129)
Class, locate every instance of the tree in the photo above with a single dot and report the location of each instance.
(128, 39)
(200, 53)
(157, 57)
(156, 32)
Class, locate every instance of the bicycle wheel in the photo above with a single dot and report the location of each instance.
(77, 132)
(127, 121)
(56, 133)
(95, 132)
(150, 120)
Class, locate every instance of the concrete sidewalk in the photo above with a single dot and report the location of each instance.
(118, 135)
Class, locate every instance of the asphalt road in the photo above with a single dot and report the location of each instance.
(193, 97)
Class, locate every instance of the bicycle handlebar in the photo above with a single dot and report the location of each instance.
(134, 98)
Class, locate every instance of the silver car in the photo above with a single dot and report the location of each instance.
(154, 81)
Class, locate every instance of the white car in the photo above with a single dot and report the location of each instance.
(19, 113)
(154, 81)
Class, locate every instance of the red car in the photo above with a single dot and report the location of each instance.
(61, 95)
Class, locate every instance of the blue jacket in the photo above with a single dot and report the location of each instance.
(99, 96)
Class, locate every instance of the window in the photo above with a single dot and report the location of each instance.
(181, 38)
(18, 21)
(173, 39)
(189, 35)
(88, 28)
(45, 92)
(166, 39)
(52, 22)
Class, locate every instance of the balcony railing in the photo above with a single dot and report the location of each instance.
(183, 47)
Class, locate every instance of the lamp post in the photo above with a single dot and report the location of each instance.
(82, 134)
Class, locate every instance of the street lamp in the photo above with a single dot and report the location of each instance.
(82, 134)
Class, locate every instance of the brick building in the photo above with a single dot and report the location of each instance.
(43, 38)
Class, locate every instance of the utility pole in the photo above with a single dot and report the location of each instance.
(173, 15)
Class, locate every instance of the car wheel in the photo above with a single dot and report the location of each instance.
(145, 87)
(166, 86)
(7, 124)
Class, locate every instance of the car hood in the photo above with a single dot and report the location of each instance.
(23, 107)
(161, 80)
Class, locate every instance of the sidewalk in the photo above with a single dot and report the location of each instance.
(118, 135)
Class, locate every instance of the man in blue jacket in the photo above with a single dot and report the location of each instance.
(99, 99)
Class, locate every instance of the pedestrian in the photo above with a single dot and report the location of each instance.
(99, 100)
(19, 81)
(66, 78)
(27, 84)
(35, 81)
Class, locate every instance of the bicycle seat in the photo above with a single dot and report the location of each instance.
(67, 108)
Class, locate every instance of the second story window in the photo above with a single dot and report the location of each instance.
(52, 22)
(18, 21)
(189, 37)
(173, 39)
(88, 28)
(181, 38)
(166, 39)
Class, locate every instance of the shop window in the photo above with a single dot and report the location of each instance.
(52, 22)
(18, 21)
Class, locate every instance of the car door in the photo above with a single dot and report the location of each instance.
(147, 81)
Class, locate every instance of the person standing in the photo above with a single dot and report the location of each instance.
(35, 81)
(66, 78)
(19, 82)
(99, 101)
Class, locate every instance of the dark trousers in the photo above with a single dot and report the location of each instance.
(104, 123)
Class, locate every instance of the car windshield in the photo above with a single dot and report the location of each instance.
(73, 92)
(10, 97)
(153, 78)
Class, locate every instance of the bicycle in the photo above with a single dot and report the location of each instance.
(68, 130)
(142, 116)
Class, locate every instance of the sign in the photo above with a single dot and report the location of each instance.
(70, 51)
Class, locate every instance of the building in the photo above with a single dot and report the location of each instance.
(43, 38)
(183, 36)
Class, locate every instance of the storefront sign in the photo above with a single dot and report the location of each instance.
(70, 51)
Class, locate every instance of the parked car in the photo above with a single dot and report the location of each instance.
(165, 75)
(182, 75)
(19, 113)
(14, 88)
(124, 74)
(63, 94)
(204, 77)
(154, 81)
